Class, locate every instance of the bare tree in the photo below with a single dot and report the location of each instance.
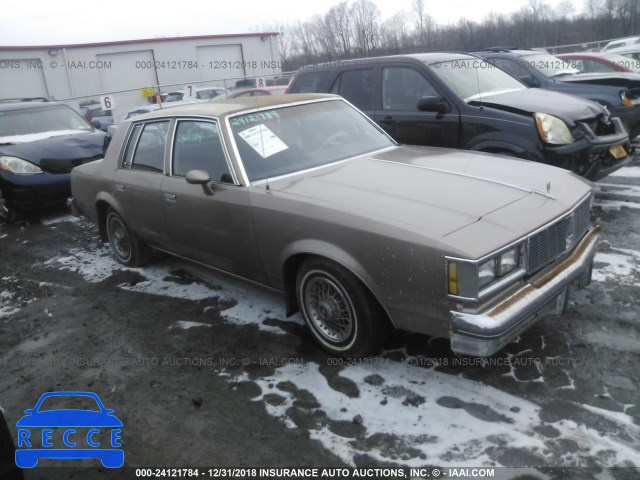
(339, 19)
(365, 16)
(395, 34)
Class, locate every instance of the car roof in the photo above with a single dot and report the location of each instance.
(585, 54)
(229, 106)
(625, 49)
(428, 58)
(18, 105)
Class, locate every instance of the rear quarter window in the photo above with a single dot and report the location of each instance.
(310, 82)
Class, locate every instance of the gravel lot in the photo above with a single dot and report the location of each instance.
(206, 371)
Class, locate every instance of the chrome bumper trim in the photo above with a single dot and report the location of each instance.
(483, 334)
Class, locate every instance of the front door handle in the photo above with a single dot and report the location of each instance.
(119, 186)
(387, 121)
(170, 196)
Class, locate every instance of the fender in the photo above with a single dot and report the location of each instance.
(105, 197)
(292, 255)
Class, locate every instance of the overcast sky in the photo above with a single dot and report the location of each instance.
(46, 22)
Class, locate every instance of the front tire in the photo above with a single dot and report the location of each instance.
(7, 213)
(125, 246)
(342, 315)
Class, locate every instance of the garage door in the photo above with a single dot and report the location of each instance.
(217, 62)
(128, 70)
(22, 78)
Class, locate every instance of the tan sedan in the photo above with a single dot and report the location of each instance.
(304, 194)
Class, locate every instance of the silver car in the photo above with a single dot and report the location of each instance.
(305, 194)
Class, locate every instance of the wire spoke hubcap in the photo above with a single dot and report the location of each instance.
(120, 240)
(329, 309)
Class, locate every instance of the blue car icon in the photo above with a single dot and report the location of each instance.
(66, 433)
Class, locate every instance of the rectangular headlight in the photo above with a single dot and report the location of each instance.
(486, 273)
(508, 261)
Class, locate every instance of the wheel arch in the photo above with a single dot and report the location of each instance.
(295, 258)
(103, 202)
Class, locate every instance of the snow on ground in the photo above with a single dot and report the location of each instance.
(65, 217)
(633, 172)
(252, 306)
(402, 414)
(622, 267)
(6, 299)
(609, 205)
(186, 325)
(415, 416)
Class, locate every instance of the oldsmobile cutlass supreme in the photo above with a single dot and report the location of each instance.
(305, 194)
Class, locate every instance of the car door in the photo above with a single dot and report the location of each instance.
(210, 223)
(401, 88)
(137, 182)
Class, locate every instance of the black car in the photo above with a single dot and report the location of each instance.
(40, 142)
(460, 101)
(618, 91)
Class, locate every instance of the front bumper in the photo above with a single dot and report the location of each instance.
(483, 334)
(74, 208)
(29, 192)
(590, 156)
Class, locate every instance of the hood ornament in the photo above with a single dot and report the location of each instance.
(549, 187)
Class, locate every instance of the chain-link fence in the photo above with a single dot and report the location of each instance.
(120, 103)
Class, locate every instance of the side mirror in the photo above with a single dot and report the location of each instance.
(96, 124)
(433, 104)
(200, 177)
(529, 80)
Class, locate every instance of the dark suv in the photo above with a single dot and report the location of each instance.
(460, 101)
(618, 91)
(40, 142)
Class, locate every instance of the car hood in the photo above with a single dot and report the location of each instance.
(569, 108)
(615, 79)
(64, 151)
(428, 191)
(69, 418)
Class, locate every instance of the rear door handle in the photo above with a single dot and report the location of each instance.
(170, 196)
(119, 186)
(387, 121)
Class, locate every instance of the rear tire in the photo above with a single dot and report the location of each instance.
(342, 315)
(125, 246)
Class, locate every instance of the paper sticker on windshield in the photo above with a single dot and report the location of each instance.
(254, 117)
(263, 140)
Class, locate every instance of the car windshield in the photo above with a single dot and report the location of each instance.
(625, 62)
(40, 120)
(549, 65)
(208, 94)
(474, 78)
(66, 402)
(289, 139)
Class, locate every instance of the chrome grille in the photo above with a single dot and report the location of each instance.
(582, 219)
(547, 244)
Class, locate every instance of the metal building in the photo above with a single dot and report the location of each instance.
(73, 73)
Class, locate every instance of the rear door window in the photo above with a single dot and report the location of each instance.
(357, 86)
(310, 82)
(149, 153)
